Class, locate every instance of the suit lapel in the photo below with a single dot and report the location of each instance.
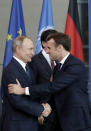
(45, 63)
(67, 61)
(21, 70)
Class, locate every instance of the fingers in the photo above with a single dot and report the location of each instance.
(47, 110)
(41, 120)
(51, 78)
(10, 85)
(10, 90)
(17, 81)
(47, 106)
(16, 88)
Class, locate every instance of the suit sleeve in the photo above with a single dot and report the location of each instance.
(20, 102)
(63, 80)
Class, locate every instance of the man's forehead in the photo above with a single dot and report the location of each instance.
(27, 41)
(51, 41)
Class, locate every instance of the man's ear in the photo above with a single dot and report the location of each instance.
(43, 44)
(60, 47)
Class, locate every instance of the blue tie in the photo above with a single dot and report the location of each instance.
(28, 72)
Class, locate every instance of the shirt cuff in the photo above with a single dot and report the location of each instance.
(27, 91)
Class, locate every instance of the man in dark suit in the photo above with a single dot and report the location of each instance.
(42, 68)
(41, 63)
(69, 86)
(20, 113)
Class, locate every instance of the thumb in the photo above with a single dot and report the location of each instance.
(17, 82)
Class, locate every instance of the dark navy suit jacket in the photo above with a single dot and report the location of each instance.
(42, 72)
(41, 67)
(69, 87)
(20, 112)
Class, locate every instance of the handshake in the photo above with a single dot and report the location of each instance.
(17, 89)
(45, 113)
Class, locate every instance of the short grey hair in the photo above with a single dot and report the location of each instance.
(18, 41)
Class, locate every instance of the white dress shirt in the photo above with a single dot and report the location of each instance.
(46, 57)
(20, 62)
(23, 66)
(63, 60)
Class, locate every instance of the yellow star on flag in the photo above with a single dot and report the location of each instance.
(20, 32)
(9, 37)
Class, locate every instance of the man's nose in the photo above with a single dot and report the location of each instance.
(32, 52)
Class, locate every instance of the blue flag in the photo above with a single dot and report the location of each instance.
(89, 5)
(46, 22)
(16, 28)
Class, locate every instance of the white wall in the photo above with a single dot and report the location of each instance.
(32, 11)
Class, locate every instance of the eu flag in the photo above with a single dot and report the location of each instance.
(16, 28)
(89, 5)
(46, 22)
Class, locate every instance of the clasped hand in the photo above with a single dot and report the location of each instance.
(45, 113)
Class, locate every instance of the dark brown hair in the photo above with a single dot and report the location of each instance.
(45, 34)
(60, 38)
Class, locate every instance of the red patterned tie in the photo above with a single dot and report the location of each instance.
(52, 65)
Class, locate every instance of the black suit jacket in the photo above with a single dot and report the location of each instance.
(20, 112)
(71, 95)
(42, 72)
(41, 68)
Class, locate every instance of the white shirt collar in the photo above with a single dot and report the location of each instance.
(20, 62)
(46, 56)
(64, 59)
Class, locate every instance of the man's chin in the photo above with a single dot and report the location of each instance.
(51, 59)
(29, 60)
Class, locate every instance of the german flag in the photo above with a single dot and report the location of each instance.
(72, 29)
